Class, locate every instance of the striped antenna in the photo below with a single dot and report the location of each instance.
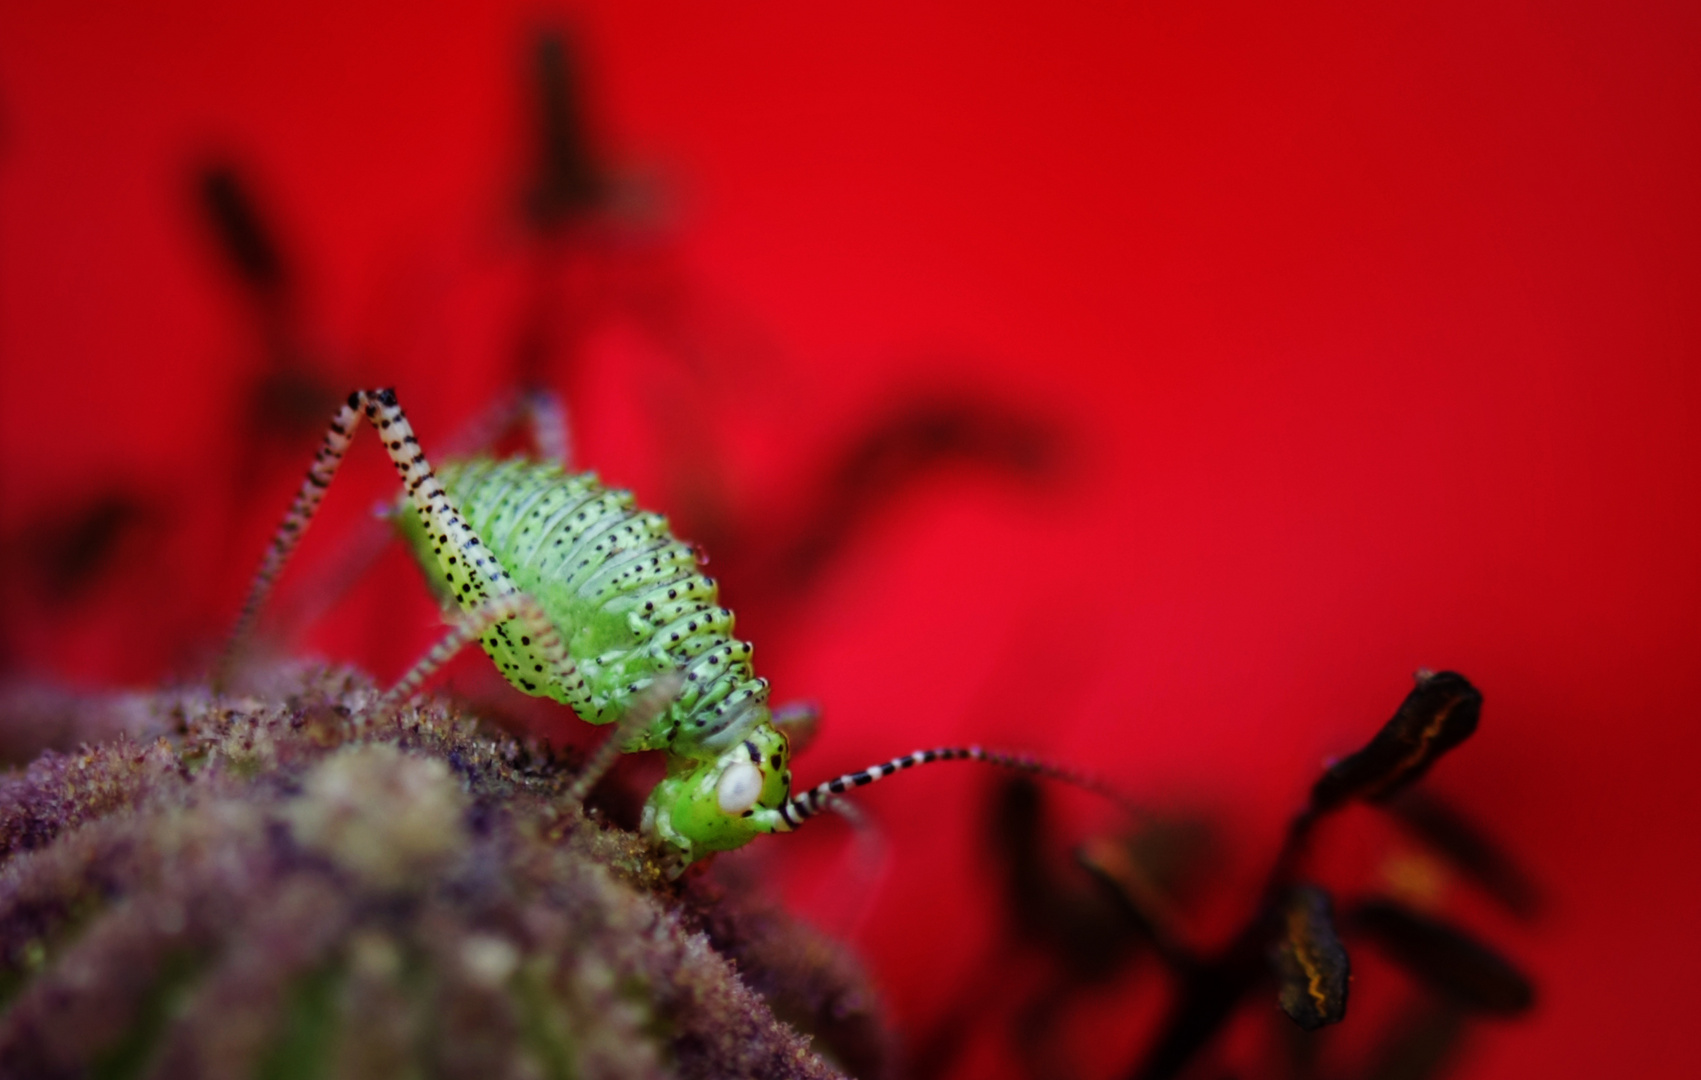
(801, 808)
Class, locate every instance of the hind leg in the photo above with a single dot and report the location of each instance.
(543, 414)
(545, 418)
(474, 575)
(520, 608)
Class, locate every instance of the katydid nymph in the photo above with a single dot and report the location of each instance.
(579, 596)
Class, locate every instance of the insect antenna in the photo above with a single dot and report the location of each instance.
(801, 808)
(650, 703)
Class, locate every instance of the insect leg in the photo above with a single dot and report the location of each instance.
(541, 410)
(474, 574)
(301, 511)
(475, 624)
(480, 583)
(650, 703)
(551, 431)
(800, 721)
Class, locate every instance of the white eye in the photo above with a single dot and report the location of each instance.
(740, 787)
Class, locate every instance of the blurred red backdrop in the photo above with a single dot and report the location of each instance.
(1373, 334)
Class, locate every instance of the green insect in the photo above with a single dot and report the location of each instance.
(579, 596)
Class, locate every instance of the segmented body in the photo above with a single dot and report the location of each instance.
(629, 597)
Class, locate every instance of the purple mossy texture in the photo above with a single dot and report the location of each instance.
(289, 885)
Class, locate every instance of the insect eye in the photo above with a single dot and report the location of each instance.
(740, 787)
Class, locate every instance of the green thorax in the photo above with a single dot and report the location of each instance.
(626, 596)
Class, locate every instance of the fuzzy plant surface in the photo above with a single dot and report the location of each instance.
(290, 885)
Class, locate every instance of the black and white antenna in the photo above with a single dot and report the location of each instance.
(800, 808)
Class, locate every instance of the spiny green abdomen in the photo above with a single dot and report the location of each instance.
(625, 595)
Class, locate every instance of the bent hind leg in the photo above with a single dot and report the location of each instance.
(475, 577)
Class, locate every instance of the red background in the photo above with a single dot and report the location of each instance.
(1375, 333)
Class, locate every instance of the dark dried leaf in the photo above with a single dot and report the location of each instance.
(1310, 961)
(568, 180)
(1446, 958)
(1476, 854)
(241, 231)
(1141, 903)
(912, 441)
(68, 553)
(1049, 904)
(1439, 714)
